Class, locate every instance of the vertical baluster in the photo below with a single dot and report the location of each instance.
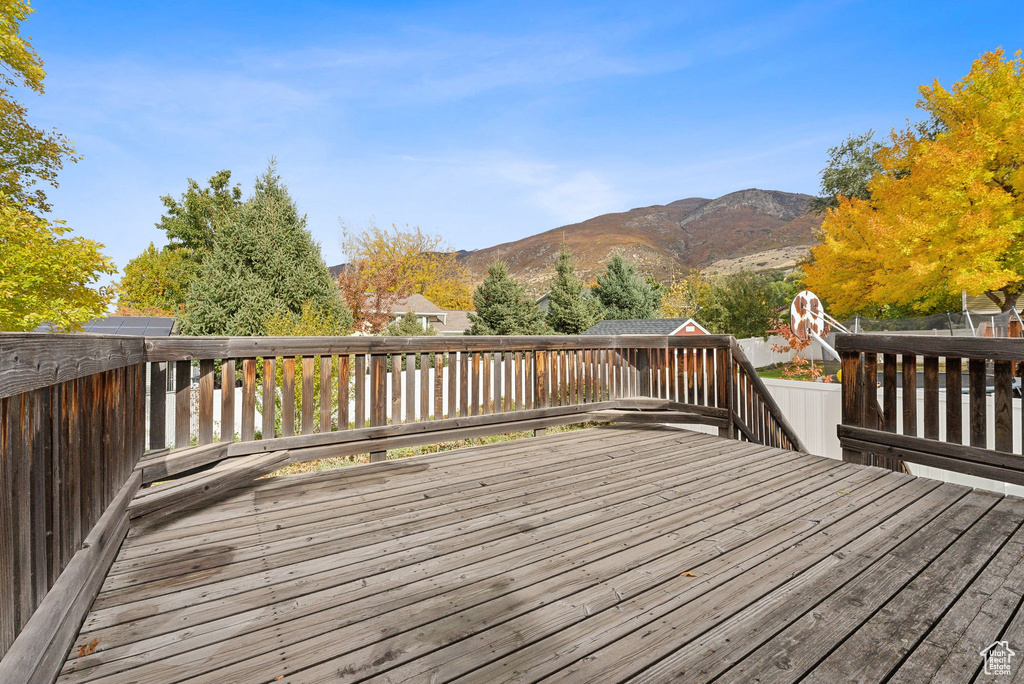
(288, 397)
(326, 387)
(464, 383)
(343, 391)
(206, 371)
(248, 428)
(378, 398)
(977, 382)
(699, 369)
(889, 393)
(453, 385)
(954, 402)
(308, 397)
(158, 405)
(909, 394)
(269, 395)
(359, 378)
(541, 379)
(227, 400)
(410, 388)
(485, 383)
(424, 360)
(396, 389)
(931, 397)
(1003, 379)
(182, 399)
(507, 384)
(438, 385)
(518, 377)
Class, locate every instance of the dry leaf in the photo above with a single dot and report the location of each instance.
(87, 649)
(687, 574)
(842, 492)
(278, 677)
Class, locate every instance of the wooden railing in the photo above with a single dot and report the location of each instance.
(81, 433)
(72, 425)
(923, 420)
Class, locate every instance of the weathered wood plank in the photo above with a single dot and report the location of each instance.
(954, 405)
(182, 403)
(288, 396)
(1003, 376)
(206, 371)
(308, 395)
(326, 389)
(227, 400)
(158, 405)
(248, 427)
(978, 426)
(269, 407)
(344, 371)
(31, 361)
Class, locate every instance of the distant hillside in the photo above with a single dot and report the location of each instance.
(756, 229)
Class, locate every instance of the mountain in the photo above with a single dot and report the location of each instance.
(754, 229)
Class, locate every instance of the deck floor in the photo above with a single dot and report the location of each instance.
(605, 555)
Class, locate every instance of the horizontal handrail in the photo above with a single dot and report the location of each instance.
(990, 348)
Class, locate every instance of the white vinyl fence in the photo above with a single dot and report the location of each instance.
(814, 409)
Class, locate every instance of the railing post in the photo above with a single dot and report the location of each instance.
(852, 399)
(378, 398)
(643, 367)
(725, 391)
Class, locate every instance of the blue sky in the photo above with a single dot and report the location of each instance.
(483, 122)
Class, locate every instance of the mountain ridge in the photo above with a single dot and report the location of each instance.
(665, 239)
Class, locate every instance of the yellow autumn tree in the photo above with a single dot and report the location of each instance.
(425, 263)
(46, 276)
(946, 211)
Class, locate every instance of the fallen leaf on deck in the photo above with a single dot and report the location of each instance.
(687, 574)
(87, 649)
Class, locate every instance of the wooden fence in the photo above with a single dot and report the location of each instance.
(80, 435)
(885, 433)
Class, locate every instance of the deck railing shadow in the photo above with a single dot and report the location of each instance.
(83, 430)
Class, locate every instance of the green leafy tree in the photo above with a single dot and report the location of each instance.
(46, 276)
(155, 283)
(503, 308)
(850, 168)
(624, 293)
(744, 304)
(263, 263)
(571, 308)
(191, 220)
(409, 325)
(28, 155)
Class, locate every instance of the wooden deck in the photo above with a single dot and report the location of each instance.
(606, 555)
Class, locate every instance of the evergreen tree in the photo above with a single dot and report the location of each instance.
(263, 263)
(571, 309)
(409, 325)
(502, 307)
(624, 294)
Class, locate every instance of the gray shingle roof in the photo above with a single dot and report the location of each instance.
(642, 326)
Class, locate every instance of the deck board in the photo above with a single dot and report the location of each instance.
(638, 553)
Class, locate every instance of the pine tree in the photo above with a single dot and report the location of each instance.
(571, 309)
(502, 307)
(264, 263)
(624, 294)
(409, 325)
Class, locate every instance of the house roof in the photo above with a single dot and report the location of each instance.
(638, 326)
(452, 322)
(416, 303)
